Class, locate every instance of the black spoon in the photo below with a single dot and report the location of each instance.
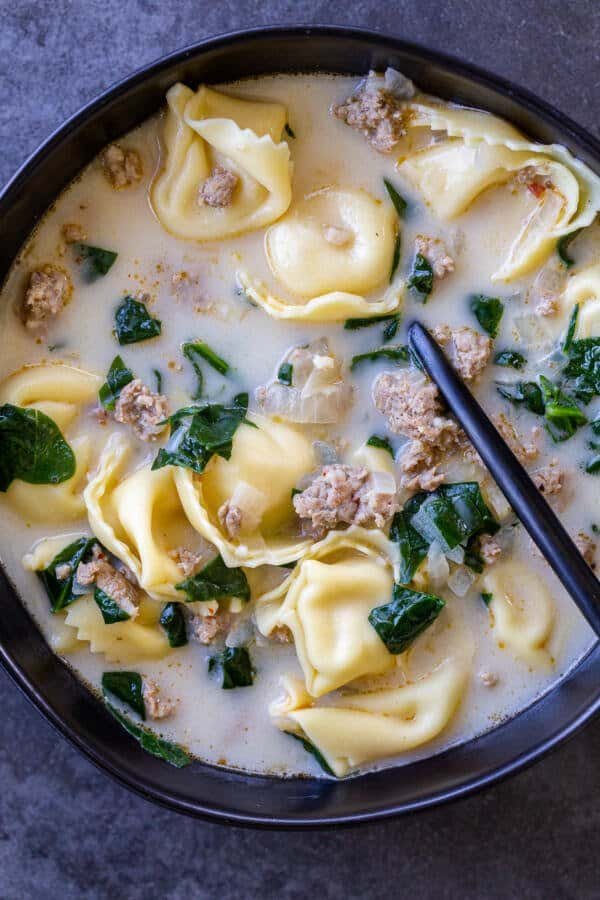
(528, 503)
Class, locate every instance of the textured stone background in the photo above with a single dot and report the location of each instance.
(66, 831)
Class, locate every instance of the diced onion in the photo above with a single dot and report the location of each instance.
(438, 569)
(241, 632)
(460, 580)
(456, 555)
(398, 84)
(325, 453)
(318, 395)
(382, 482)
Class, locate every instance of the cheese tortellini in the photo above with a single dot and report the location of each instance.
(121, 642)
(522, 611)
(583, 289)
(267, 460)
(482, 151)
(138, 517)
(326, 602)
(332, 248)
(332, 240)
(208, 128)
(398, 711)
(60, 392)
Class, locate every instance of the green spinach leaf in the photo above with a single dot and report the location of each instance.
(288, 130)
(355, 324)
(98, 261)
(381, 443)
(399, 353)
(110, 609)
(215, 582)
(421, 277)
(510, 359)
(583, 368)
(407, 616)
(197, 350)
(128, 687)
(400, 204)
(172, 619)
(488, 312)
(314, 751)
(571, 328)
(562, 415)
(198, 432)
(452, 514)
(472, 557)
(133, 322)
(562, 248)
(32, 448)
(195, 358)
(396, 256)
(412, 545)
(285, 373)
(116, 378)
(62, 591)
(151, 743)
(487, 598)
(235, 666)
(391, 328)
(159, 380)
(523, 393)
(592, 466)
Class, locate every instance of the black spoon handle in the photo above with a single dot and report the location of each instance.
(528, 503)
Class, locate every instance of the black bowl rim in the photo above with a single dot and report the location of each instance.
(589, 705)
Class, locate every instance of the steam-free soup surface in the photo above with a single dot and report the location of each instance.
(497, 643)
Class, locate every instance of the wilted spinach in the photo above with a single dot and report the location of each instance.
(32, 448)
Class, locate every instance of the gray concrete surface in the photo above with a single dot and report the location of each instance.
(66, 831)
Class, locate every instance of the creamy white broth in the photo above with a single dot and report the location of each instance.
(192, 289)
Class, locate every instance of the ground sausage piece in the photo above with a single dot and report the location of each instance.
(156, 707)
(549, 479)
(230, 517)
(72, 233)
(343, 495)
(217, 190)
(435, 252)
(525, 452)
(469, 351)
(144, 410)
(48, 291)
(122, 168)
(377, 113)
(418, 466)
(586, 547)
(114, 583)
(281, 634)
(207, 629)
(489, 549)
(489, 679)
(186, 559)
(411, 404)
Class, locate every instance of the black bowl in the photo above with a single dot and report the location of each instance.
(200, 789)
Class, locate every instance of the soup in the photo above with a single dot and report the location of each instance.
(231, 500)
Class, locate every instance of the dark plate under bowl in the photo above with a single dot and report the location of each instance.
(200, 789)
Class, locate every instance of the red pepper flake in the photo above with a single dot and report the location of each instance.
(536, 188)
